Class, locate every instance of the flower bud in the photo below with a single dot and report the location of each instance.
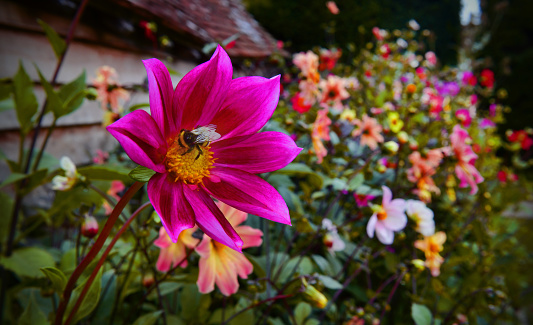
(89, 228)
(411, 88)
(314, 296)
(391, 147)
(403, 137)
(413, 144)
(148, 280)
(419, 264)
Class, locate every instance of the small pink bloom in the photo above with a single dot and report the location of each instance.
(332, 7)
(333, 92)
(469, 78)
(308, 64)
(390, 218)
(101, 157)
(328, 58)
(486, 79)
(298, 104)
(221, 265)
(463, 115)
(522, 137)
(321, 132)
(108, 89)
(379, 34)
(466, 158)
(173, 253)
(279, 45)
(116, 187)
(308, 92)
(370, 131)
(486, 123)
(228, 113)
(385, 50)
(431, 58)
(362, 199)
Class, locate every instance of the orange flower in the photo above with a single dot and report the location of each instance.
(220, 264)
(308, 64)
(432, 246)
(173, 253)
(321, 132)
(370, 131)
(109, 91)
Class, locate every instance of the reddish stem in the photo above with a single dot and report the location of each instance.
(94, 250)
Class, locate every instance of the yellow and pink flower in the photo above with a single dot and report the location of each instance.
(321, 132)
(333, 92)
(370, 131)
(172, 254)
(221, 265)
(432, 246)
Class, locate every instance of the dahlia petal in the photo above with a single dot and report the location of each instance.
(160, 94)
(251, 237)
(201, 92)
(211, 220)
(397, 206)
(170, 203)
(179, 253)
(241, 264)
(395, 222)
(371, 225)
(141, 138)
(164, 260)
(248, 193)
(258, 153)
(385, 235)
(226, 275)
(234, 216)
(440, 237)
(248, 106)
(387, 196)
(163, 241)
(207, 267)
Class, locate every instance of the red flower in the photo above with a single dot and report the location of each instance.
(486, 79)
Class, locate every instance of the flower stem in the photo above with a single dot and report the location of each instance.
(94, 250)
(102, 260)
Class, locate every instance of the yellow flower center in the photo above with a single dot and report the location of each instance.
(434, 247)
(188, 164)
(382, 214)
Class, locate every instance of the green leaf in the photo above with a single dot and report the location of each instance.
(329, 282)
(73, 94)
(421, 314)
(258, 270)
(141, 174)
(6, 102)
(148, 319)
(139, 106)
(54, 103)
(58, 279)
(35, 179)
(175, 320)
(90, 301)
(302, 170)
(25, 100)
(58, 44)
(355, 182)
(301, 312)
(190, 298)
(28, 261)
(32, 315)
(13, 178)
(105, 172)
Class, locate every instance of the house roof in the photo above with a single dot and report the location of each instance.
(208, 21)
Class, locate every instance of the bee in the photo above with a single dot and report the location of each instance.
(197, 138)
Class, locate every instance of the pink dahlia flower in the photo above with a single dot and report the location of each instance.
(190, 168)
(388, 218)
(370, 131)
(221, 265)
(465, 169)
(173, 253)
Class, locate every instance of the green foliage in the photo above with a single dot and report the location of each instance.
(141, 174)
(25, 100)
(58, 44)
(421, 314)
(27, 261)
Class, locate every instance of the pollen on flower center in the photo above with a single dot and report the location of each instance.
(382, 215)
(187, 166)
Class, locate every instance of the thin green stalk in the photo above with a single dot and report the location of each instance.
(43, 146)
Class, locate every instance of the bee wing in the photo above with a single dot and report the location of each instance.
(206, 133)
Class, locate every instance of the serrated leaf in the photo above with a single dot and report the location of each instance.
(58, 278)
(421, 314)
(90, 301)
(58, 44)
(148, 319)
(141, 174)
(25, 100)
(32, 315)
(28, 261)
(105, 172)
(329, 282)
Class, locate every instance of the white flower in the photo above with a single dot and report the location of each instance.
(332, 239)
(65, 183)
(387, 218)
(401, 43)
(413, 24)
(422, 215)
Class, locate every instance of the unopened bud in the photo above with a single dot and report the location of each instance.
(413, 144)
(314, 296)
(89, 228)
(391, 147)
(148, 280)
(403, 137)
(419, 264)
